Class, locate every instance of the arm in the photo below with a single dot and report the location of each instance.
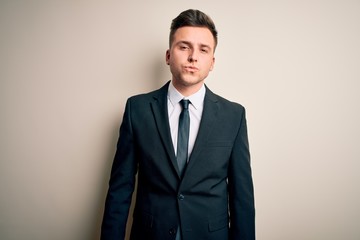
(241, 193)
(122, 182)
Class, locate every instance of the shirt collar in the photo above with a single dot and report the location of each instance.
(196, 99)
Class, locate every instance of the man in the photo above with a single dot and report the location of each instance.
(192, 157)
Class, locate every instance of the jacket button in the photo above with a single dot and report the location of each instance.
(181, 197)
(172, 231)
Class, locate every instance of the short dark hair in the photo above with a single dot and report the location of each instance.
(192, 18)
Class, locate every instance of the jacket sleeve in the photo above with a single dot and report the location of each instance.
(241, 193)
(121, 184)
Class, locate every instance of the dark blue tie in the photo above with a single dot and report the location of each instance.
(183, 135)
(183, 142)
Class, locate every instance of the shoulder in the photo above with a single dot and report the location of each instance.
(223, 103)
(154, 95)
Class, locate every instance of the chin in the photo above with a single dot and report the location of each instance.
(192, 82)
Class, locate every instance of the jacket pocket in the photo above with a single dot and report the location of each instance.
(219, 222)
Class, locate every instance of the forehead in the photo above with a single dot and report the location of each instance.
(194, 35)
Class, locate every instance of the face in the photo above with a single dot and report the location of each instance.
(191, 58)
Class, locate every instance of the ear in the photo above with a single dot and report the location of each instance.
(167, 57)
(212, 64)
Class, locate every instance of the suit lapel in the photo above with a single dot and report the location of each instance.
(209, 116)
(160, 111)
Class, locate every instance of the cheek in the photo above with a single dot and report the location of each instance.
(208, 62)
(177, 59)
(209, 66)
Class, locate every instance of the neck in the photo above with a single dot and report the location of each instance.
(188, 90)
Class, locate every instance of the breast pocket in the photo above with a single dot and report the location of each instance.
(217, 151)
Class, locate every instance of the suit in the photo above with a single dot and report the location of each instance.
(212, 200)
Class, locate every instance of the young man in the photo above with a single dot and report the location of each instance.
(192, 157)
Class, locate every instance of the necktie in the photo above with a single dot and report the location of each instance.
(183, 135)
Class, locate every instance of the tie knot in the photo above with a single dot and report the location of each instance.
(185, 103)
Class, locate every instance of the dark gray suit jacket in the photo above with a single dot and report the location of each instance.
(213, 200)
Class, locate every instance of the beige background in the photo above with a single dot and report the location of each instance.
(67, 68)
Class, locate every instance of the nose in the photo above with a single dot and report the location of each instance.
(193, 56)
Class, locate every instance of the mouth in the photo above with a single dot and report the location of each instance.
(191, 68)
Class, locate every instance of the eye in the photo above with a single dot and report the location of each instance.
(204, 50)
(184, 47)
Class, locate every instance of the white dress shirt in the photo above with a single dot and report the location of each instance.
(196, 107)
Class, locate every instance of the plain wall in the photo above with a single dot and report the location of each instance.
(67, 68)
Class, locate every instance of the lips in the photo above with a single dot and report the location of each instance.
(191, 68)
